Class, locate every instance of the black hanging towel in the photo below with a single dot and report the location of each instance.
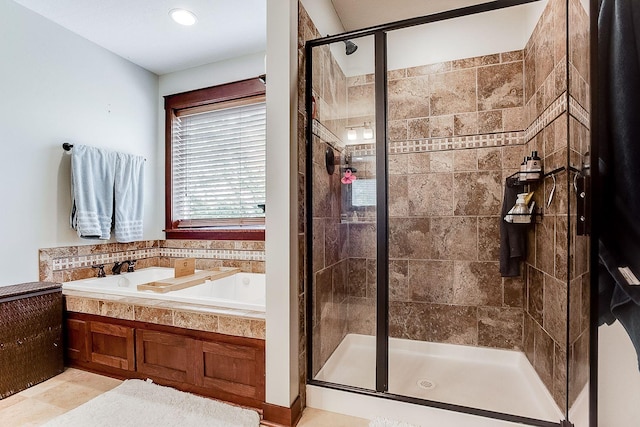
(618, 163)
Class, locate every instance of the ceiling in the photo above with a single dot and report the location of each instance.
(142, 32)
(357, 14)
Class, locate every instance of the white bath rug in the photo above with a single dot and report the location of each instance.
(137, 403)
(383, 422)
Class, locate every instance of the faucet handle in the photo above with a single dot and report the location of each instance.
(132, 265)
(100, 268)
(116, 267)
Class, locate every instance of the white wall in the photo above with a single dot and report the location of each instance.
(281, 243)
(217, 73)
(618, 378)
(58, 87)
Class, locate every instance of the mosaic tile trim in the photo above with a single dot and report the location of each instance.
(213, 254)
(442, 144)
(552, 112)
(321, 131)
(108, 258)
(579, 113)
(105, 258)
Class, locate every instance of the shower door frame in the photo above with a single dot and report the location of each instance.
(382, 248)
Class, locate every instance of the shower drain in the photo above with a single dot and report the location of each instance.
(426, 384)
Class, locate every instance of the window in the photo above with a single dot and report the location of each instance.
(215, 171)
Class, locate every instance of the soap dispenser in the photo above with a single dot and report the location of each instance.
(534, 166)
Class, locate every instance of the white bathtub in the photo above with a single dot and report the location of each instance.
(243, 291)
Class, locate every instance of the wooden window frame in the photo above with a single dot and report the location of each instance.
(197, 98)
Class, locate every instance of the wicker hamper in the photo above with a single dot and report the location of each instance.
(30, 335)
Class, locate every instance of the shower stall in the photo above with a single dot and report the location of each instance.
(412, 142)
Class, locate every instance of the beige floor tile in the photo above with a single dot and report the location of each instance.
(11, 400)
(29, 412)
(89, 379)
(42, 387)
(72, 388)
(312, 417)
(67, 395)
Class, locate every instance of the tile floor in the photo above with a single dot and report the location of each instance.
(42, 402)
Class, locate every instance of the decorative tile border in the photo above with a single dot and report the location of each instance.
(442, 144)
(579, 113)
(321, 131)
(551, 113)
(83, 261)
(213, 254)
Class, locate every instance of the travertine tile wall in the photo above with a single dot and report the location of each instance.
(444, 205)
(557, 276)
(579, 139)
(546, 296)
(329, 234)
(444, 281)
(63, 264)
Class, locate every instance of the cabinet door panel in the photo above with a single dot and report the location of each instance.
(165, 355)
(112, 345)
(232, 368)
(76, 340)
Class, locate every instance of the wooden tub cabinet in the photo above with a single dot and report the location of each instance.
(224, 367)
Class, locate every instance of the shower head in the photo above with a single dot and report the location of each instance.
(350, 47)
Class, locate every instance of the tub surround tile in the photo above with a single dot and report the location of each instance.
(490, 121)
(424, 70)
(192, 316)
(408, 238)
(82, 305)
(197, 321)
(361, 316)
(465, 160)
(500, 327)
(398, 280)
(500, 86)
(513, 291)
(488, 238)
(419, 128)
(453, 92)
(117, 310)
(432, 322)
(357, 277)
(555, 309)
(428, 195)
(453, 238)
(362, 240)
(398, 130)
(544, 356)
(153, 315)
(442, 126)
(477, 193)
(398, 196)
(415, 163)
(408, 98)
(431, 281)
(477, 284)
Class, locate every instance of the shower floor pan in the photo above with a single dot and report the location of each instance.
(491, 379)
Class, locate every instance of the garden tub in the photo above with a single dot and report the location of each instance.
(242, 291)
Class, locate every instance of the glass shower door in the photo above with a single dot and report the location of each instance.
(343, 214)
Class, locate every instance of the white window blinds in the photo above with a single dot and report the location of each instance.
(219, 165)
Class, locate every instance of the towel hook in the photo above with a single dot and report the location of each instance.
(66, 146)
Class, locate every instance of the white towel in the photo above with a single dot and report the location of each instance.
(129, 200)
(92, 178)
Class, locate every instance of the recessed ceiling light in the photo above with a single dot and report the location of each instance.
(183, 16)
